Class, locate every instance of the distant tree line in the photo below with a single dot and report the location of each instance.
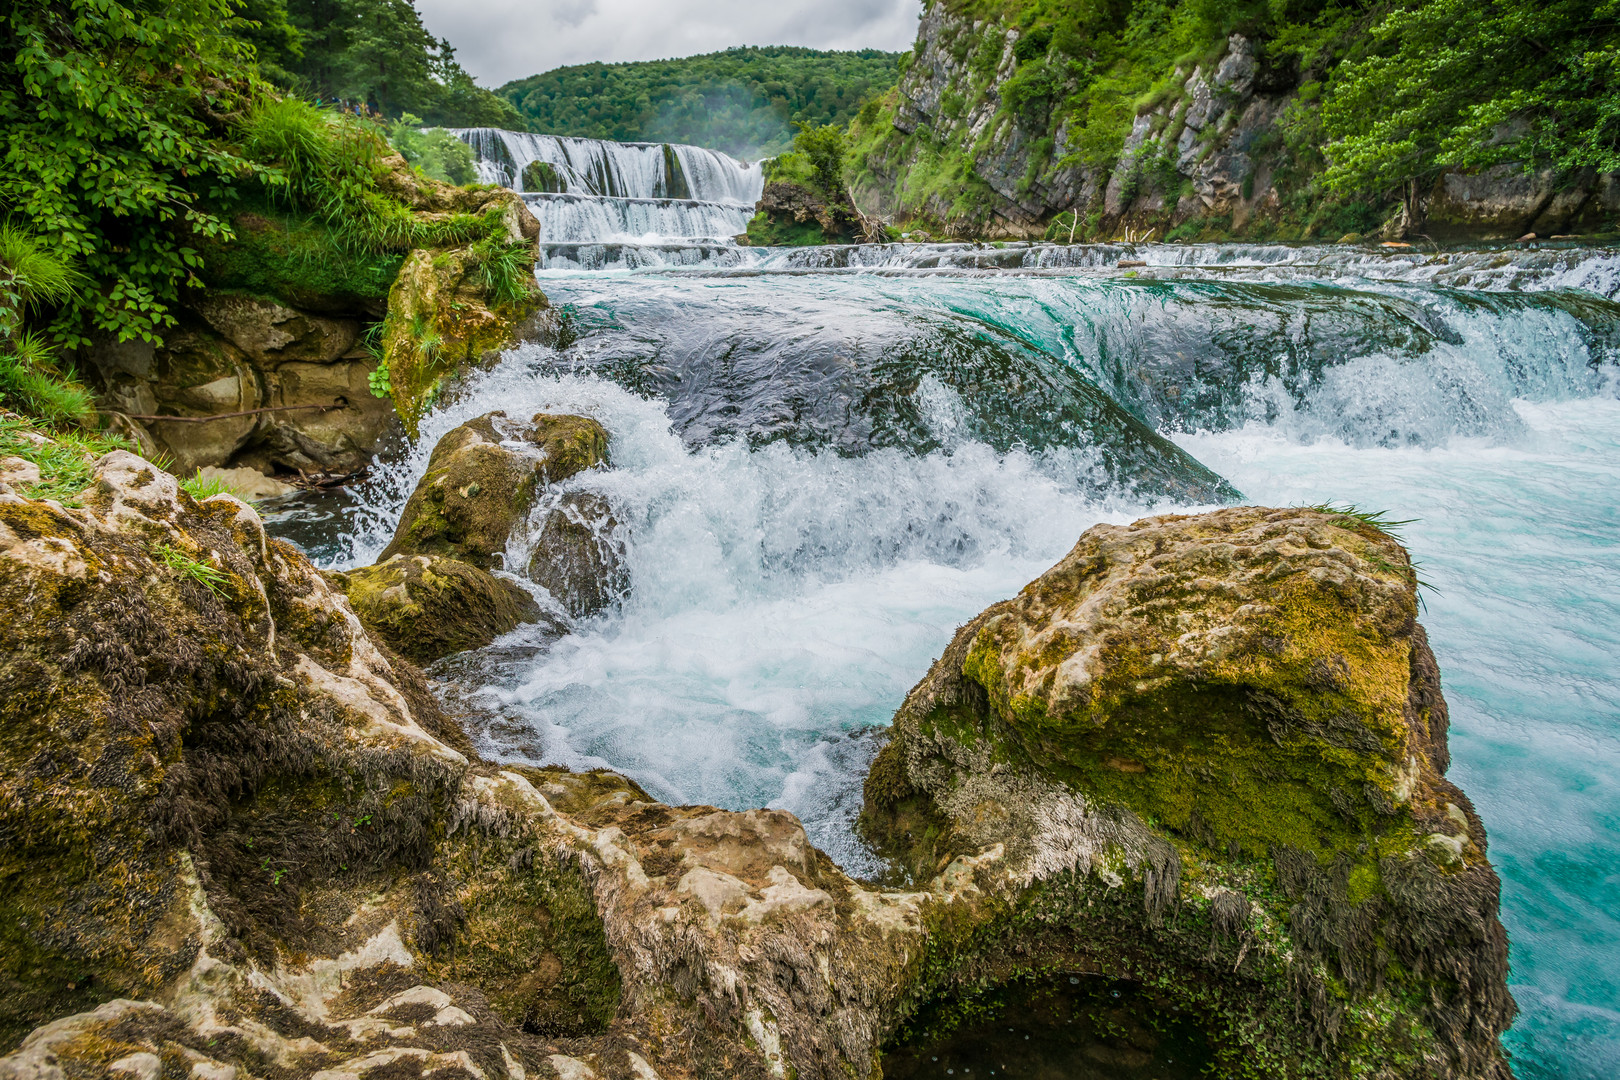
(745, 101)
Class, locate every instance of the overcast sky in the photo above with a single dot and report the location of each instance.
(502, 40)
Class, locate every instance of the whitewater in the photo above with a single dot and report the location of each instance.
(827, 459)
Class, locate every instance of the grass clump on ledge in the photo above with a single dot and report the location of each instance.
(207, 576)
(63, 458)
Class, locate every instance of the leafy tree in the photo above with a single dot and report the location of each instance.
(277, 44)
(823, 149)
(439, 154)
(745, 101)
(1476, 83)
(110, 114)
(379, 53)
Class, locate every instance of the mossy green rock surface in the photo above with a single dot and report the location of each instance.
(426, 607)
(221, 797)
(1238, 714)
(482, 479)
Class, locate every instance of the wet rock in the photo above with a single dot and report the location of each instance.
(240, 836)
(482, 480)
(426, 607)
(444, 314)
(792, 214)
(1195, 705)
(579, 555)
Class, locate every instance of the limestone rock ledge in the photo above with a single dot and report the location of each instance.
(239, 839)
(275, 365)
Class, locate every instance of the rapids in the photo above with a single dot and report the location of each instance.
(826, 459)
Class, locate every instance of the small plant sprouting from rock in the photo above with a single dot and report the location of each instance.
(379, 382)
(207, 576)
(202, 487)
(1380, 521)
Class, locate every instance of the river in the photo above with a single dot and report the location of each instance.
(826, 459)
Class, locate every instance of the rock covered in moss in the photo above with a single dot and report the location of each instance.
(579, 555)
(452, 307)
(160, 660)
(1236, 710)
(481, 481)
(793, 214)
(239, 809)
(426, 607)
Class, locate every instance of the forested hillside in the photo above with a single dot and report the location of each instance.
(1265, 117)
(744, 101)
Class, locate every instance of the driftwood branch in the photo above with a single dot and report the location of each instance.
(872, 227)
(244, 412)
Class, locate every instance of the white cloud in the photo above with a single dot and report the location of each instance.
(502, 40)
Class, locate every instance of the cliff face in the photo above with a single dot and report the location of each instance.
(980, 141)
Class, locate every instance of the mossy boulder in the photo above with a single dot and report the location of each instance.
(453, 307)
(1237, 714)
(543, 176)
(482, 480)
(579, 554)
(219, 795)
(792, 214)
(426, 607)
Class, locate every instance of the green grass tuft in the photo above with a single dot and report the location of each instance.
(209, 578)
(63, 458)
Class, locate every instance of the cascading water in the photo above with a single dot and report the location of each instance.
(623, 205)
(826, 459)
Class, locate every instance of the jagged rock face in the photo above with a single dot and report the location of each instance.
(426, 607)
(1235, 709)
(1219, 130)
(579, 554)
(163, 660)
(482, 480)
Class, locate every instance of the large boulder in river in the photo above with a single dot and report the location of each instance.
(426, 607)
(482, 479)
(1236, 718)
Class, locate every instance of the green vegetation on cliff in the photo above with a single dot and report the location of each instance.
(1023, 109)
(744, 101)
(143, 159)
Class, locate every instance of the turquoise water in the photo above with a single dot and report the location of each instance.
(1522, 545)
(820, 475)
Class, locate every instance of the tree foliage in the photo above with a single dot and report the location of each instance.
(110, 117)
(744, 101)
(1476, 83)
(816, 160)
(379, 53)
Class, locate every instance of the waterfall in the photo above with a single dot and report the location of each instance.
(618, 205)
(620, 170)
(569, 218)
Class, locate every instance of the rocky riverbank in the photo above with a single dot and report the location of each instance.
(242, 839)
(301, 357)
